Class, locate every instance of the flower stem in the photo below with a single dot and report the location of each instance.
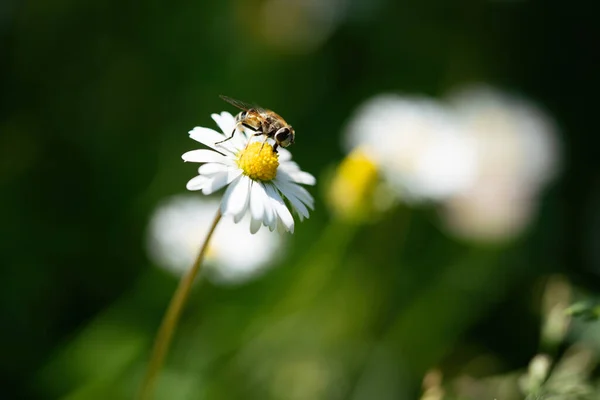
(169, 322)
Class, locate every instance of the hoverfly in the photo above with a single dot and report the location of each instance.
(262, 122)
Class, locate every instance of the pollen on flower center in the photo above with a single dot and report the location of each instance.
(259, 161)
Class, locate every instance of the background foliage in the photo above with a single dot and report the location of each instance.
(95, 104)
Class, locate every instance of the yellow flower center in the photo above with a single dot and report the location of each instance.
(259, 161)
(353, 185)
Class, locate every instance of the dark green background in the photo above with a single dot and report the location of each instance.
(96, 98)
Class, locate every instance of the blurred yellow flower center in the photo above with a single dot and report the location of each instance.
(353, 185)
(259, 161)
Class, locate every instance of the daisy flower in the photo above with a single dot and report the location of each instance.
(416, 144)
(179, 223)
(258, 179)
(355, 188)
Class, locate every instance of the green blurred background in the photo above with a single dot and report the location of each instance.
(95, 104)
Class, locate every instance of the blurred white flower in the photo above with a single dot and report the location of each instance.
(517, 154)
(416, 144)
(484, 155)
(514, 137)
(258, 179)
(179, 226)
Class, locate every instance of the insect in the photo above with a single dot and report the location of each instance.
(262, 122)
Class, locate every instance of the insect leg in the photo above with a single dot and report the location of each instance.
(230, 137)
(253, 129)
(236, 127)
(265, 141)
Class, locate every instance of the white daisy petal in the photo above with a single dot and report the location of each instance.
(233, 173)
(227, 143)
(282, 211)
(296, 175)
(228, 146)
(234, 144)
(289, 165)
(235, 200)
(257, 200)
(196, 183)
(225, 121)
(303, 177)
(295, 190)
(281, 228)
(229, 173)
(227, 195)
(255, 225)
(284, 154)
(298, 205)
(245, 195)
(269, 212)
(218, 180)
(215, 182)
(273, 221)
(204, 156)
(238, 143)
(206, 136)
(212, 168)
(215, 141)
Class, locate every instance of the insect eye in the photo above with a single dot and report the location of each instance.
(282, 135)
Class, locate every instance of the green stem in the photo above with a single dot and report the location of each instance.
(169, 322)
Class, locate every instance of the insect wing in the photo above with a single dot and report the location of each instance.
(240, 104)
